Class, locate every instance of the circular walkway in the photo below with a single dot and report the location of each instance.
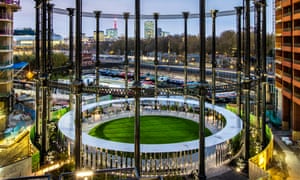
(232, 128)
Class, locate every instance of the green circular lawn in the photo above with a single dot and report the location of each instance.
(154, 130)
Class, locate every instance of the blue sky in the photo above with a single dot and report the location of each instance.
(26, 16)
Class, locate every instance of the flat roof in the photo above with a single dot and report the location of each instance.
(232, 128)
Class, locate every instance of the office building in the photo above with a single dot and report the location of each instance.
(7, 9)
(287, 14)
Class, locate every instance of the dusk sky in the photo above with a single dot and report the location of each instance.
(26, 16)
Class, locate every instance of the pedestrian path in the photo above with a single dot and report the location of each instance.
(291, 159)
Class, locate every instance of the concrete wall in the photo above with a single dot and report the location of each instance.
(18, 169)
(14, 149)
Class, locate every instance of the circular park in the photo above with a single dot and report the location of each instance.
(169, 137)
(154, 130)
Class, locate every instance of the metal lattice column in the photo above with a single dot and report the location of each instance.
(264, 78)
(213, 58)
(44, 79)
(239, 59)
(155, 15)
(258, 63)
(247, 84)
(137, 88)
(185, 17)
(77, 85)
(126, 63)
(37, 61)
(202, 92)
(71, 51)
(97, 16)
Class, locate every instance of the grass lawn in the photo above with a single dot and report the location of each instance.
(154, 130)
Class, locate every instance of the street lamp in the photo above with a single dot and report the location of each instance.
(29, 75)
(84, 174)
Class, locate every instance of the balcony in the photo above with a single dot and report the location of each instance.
(6, 16)
(287, 59)
(278, 4)
(297, 45)
(278, 84)
(296, 94)
(296, 97)
(5, 63)
(287, 74)
(14, 4)
(278, 60)
(10, 2)
(5, 47)
(285, 3)
(296, 11)
(296, 61)
(297, 78)
(286, 14)
(6, 32)
(297, 27)
(278, 72)
(286, 89)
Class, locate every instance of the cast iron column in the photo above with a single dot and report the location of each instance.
(38, 69)
(126, 63)
(71, 52)
(77, 85)
(213, 59)
(185, 17)
(49, 40)
(264, 72)
(202, 92)
(258, 63)
(239, 59)
(44, 79)
(155, 57)
(97, 16)
(247, 84)
(137, 87)
(49, 58)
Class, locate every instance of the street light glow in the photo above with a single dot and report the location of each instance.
(84, 173)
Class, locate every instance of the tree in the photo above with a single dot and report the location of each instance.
(30, 59)
(226, 42)
(59, 59)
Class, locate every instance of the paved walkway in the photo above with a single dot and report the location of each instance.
(290, 157)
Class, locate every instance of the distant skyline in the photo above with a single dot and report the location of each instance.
(26, 16)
